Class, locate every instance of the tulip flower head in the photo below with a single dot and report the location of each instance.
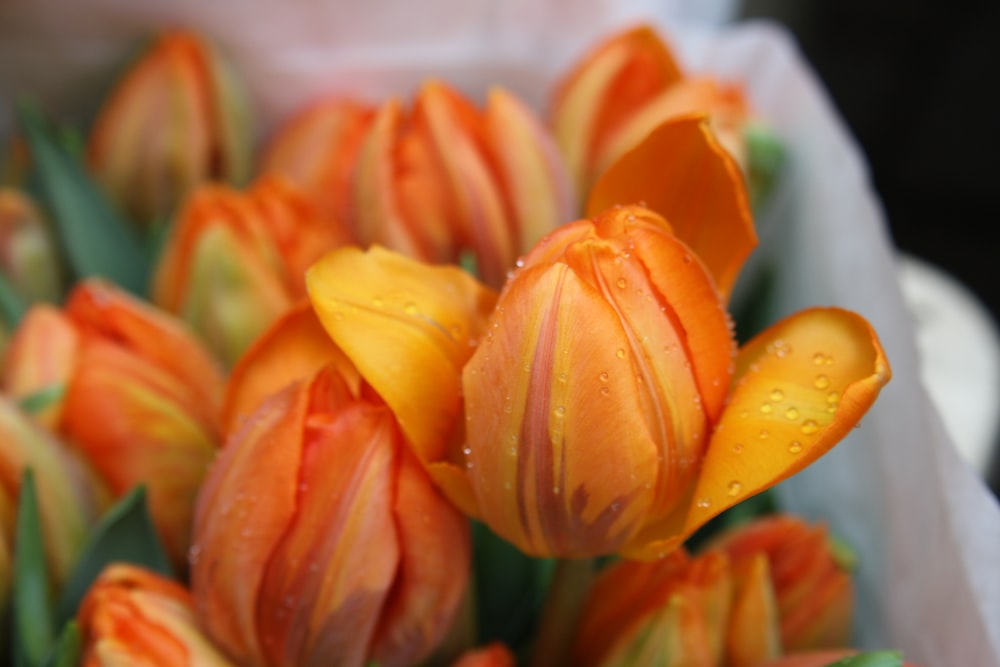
(131, 616)
(320, 538)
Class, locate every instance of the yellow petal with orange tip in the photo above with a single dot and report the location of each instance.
(409, 328)
(681, 172)
(800, 386)
(603, 89)
(292, 349)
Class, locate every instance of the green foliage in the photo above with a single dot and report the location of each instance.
(871, 659)
(97, 240)
(34, 628)
(124, 534)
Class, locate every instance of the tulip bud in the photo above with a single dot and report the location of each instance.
(628, 433)
(669, 612)
(131, 616)
(812, 583)
(319, 534)
(29, 258)
(175, 119)
(449, 178)
(69, 500)
(235, 261)
(318, 150)
(131, 389)
(624, 88)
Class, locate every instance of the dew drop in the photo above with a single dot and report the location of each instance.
(738, 448)
(604, 376)
(791, 413)
(833, 398)
(512, 451)
(193, 554)
(562, 377)
(605, 391)
(809, 427)
(620, 353)
(411, 309)
(555, 490)
(704, 502)
(764, 433)
(338, 315)
(795, 446)
(744, 414)
(621, 283)
(519, 263)
(821, 382)
(819, 359)
(777, 395)
(560, 411)
(467, 451)
(735, 488)
(766, 408)
(506, 485)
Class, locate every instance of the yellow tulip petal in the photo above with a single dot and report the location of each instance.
(409, 328)
(681, 172)
(800, 386)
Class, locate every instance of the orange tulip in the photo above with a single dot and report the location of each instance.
(237, 260)
(29, 258)
(173, 121)
(494, 655)
(669, 612)
(449, 178)
(130, 388)
(812, 586)
(624, 88)
(630, 434)
(320, 536)
(131, 616)
(318, 149)
(69, 500)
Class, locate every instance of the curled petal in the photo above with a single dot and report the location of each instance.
(800, 386)
(409, 328)
(753, 635)
(681, 172)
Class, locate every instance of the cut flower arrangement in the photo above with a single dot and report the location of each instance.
(425, 381)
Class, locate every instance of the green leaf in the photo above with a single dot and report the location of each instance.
(510, 589)
(34, 631)
(871, 659)
(124, 534)
(67, 650)
(12, 306)
(97, 240)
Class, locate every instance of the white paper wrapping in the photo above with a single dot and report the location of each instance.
(926, 529)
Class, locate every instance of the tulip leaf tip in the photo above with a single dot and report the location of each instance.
(871, 659)
(124, 534)
(34, 630)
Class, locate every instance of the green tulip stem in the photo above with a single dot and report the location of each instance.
(570, 586)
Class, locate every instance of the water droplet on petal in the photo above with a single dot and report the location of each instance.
(791, 413)
(411, 309)
(738, 448)
(605, 391)
(821, 382)
(734, 488)
(777, 395)
(809, 427)
(704, 503)
(604, 376)
(620, 353)
(766, 408)
(795, 446)
(621, 283)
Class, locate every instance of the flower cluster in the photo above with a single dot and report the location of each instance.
(330, 368)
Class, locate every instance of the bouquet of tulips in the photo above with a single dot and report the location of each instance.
(423, 382)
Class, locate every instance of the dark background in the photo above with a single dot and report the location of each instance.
(917, 84)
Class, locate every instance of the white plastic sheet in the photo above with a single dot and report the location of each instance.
(926, 528)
